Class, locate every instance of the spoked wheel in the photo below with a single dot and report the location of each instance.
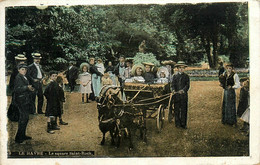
(160, 118)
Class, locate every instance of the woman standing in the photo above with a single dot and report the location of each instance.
(230, 82)
(110, 69)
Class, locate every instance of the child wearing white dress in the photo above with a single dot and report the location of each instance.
(85, 82)
(162, 79)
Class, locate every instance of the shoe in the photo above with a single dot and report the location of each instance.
(40, 113)
(184, 127)
(19, 141)
(27, 138)
(50, 131)
(55, 127)
(63, 123)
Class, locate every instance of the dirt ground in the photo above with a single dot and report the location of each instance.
(205, 136)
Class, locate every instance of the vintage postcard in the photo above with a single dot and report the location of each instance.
(133, 82)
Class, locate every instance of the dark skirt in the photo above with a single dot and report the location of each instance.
(243, 102)
(229, 107)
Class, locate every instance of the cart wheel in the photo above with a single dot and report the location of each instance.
(160, 117)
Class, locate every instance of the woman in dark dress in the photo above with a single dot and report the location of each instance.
(230, 82)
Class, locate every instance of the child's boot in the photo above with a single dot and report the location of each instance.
(62, 122)
(55, 125)
(49, 128)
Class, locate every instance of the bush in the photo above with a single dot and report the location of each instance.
(146, 57)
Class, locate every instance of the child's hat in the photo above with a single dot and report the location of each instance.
(21, 66)
(84, 64)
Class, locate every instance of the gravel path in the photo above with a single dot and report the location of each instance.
(205, 136)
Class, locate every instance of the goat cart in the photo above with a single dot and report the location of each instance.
(129, 107)
(151, 99)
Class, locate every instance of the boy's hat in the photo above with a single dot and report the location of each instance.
(181, 63)
(21, 66)
(20, 57)
(84, 64)
(36, 55)
(148, 63)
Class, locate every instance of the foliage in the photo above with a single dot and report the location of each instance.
(146, 57)
(191, 33)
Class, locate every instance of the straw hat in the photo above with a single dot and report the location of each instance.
(168, 62)
(135, 67)
(20, 57)
(148, 63)
(36, 55)
(181, 63)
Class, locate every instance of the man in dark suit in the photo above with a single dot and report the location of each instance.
(72, 75)
(120, 70)
(22, 93)
(13, 111)
(180, 86)
(35, 75)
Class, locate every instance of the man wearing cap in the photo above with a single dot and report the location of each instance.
(148, 75)
(13, 112)
(35, 75)
(72, 75)
(180, 86)
(22, 92)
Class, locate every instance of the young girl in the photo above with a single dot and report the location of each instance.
(85, 82)
(162, 78)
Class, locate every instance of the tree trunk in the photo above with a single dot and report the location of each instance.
(206, 44)
(215, 53)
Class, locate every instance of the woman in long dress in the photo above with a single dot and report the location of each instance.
(230, 82)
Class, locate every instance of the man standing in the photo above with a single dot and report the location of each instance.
(180, 85)
(120, 70)
(13, 111)
(72, 75)
(35, 75)
(22, 91)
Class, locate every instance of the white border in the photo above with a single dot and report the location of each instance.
(254, 29)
